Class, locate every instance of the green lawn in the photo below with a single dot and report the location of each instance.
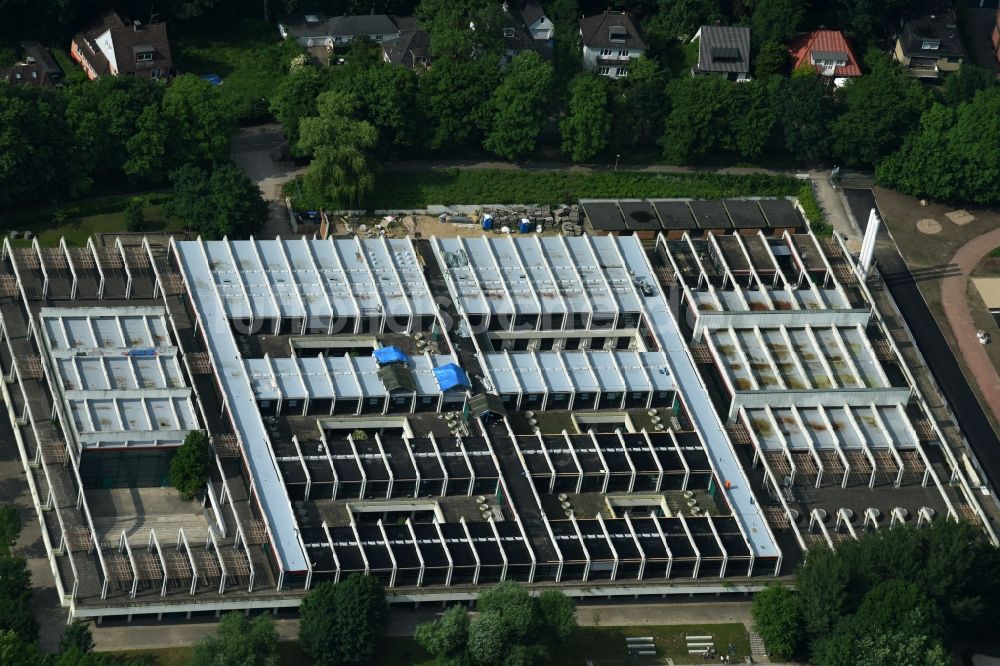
(392, 651)
(77, 230)
(604, 646)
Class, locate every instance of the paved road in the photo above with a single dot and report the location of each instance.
(944, 366)
(403, 622)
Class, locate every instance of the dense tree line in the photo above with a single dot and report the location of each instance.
(895, 597)
(512, 627)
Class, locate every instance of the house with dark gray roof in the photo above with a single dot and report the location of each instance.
(411, 49)
(610, 41)
(38, 68)
(311, 30)
(723, 51)
(929, 46)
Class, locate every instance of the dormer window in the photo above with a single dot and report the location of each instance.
(508, 32)
(312, 18)
(143, 53)
(931, 44)
(617, 33)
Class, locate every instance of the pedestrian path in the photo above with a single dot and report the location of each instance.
(954, 297)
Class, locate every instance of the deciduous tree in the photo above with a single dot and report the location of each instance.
(588, 121)
(447, 637)
(777, 618)
(189, 466)
(879, 110)
(341, 622)
(239, 641)
(520, 106)
(10, 527)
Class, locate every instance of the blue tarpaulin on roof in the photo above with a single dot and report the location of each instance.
(391, 354)
(450, 376)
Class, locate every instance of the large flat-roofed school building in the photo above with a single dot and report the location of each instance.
(628, 413)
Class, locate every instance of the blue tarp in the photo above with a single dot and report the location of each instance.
(214, 79)
(450, 376)
(390, 354)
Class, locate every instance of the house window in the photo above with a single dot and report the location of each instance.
(508, 32)
(931, 45)
(144, 56)
(623, 53)
(605, 52)
(622, 71)
(378, 38)
(604, 70)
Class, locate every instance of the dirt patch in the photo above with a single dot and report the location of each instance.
(928, 226)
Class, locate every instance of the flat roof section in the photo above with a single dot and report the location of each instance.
(639, 215)
(247, 422)
(745, 214)
(710, 214)
(674, 215)
(119, 379)
(603, 215)
(781, 214)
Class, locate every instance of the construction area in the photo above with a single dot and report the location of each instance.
(604, 409)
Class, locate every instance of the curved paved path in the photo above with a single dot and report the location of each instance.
(956, 308)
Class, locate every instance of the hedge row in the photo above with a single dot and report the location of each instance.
(418, 189)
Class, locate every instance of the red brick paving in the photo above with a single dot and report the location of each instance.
(956, 309)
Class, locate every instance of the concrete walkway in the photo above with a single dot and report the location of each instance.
(954, 296)
(403, 623)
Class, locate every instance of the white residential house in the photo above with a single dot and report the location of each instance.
(610, 41)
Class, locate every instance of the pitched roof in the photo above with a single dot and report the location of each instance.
(940, 28)
(409, 49)
(723, 48)
(363, 24)
(824, 45)
(127, 40)
(596, 31)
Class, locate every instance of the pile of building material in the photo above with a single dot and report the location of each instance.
(569, 219)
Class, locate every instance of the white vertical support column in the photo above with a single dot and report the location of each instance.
(583, 545)
(388, 468)
(503, 553)
(361, 468)
(100, 269)
(611, 545)
(628, 459)
(333, 552)
(694, 546)
(444, 470)
(638, 547)
(392, 556)
(472, 547)
(663, 540)
(420, 555)
(447, 553)
(128, 271)
(576, 461)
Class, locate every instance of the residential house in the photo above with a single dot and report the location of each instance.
(312, 30)
(413, 46)
(527, 28)
(996, 35)
(38, 68)
(111, 46)
(929, 46)
(826, 51)
(610, 41)
(723, 51)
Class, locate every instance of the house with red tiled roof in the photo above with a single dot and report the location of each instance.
(826, 51)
